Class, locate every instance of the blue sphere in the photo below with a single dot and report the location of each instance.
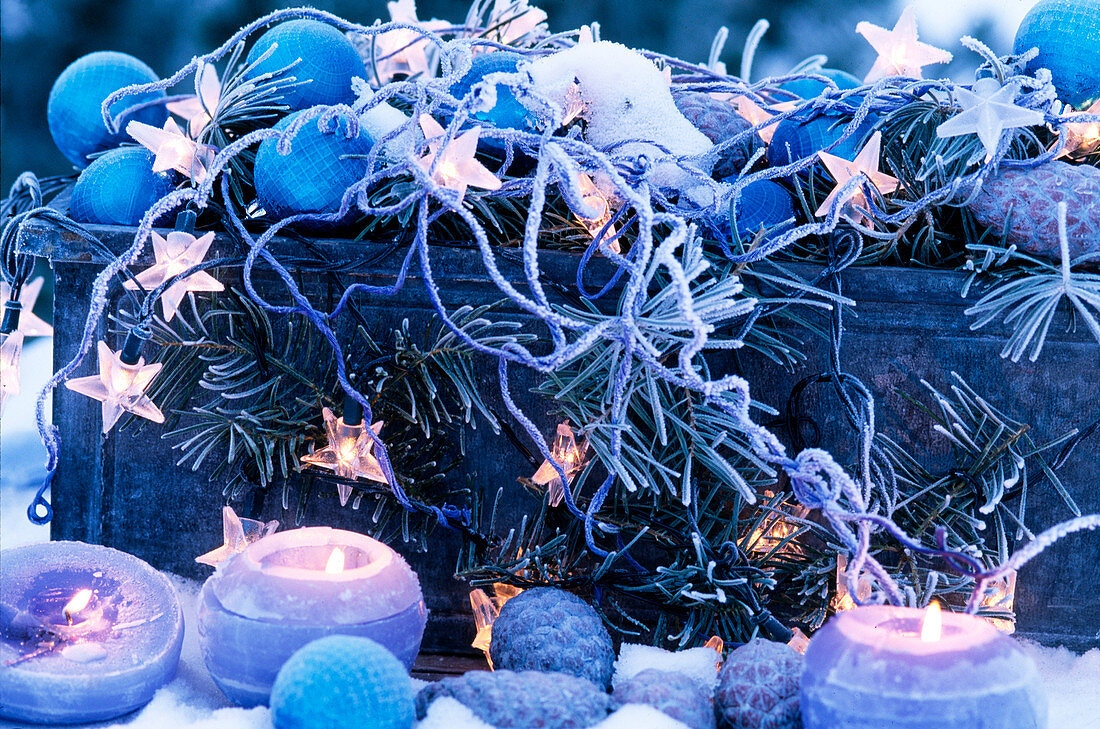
(763, 204)
(808, 88)
(1067, 34)
(326, 61)
(74, 110)
(118, 188)
(808, 133)
(314, 176)
(508, 113)
(342, 681)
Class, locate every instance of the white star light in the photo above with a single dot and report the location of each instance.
(176, 254)
(174, 150)
(899, 51)
(987, 111)
(349, 453)
(29, 324)
(866, 164)
(197, 111)
(457, 168)
(402, 50)
(237, 533)
(120, 387)
(513, 19)
(754, 114)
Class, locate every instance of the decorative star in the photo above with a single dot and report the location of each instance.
(198, 110)
(457, 168)
(120, 387)
(842, 170)
(237, 533)
(1078, 138)
(174, 150)
(899, 51)
(176, 254)
(11, 349)
(569, 456)
(349, 453)
(29, 324)
(513, 19)
(403, 50)
(755, 114)
(594, 198)
(988, 110)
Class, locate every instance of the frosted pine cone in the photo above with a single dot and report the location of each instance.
(673, 694)
(545, 629)
(1031, 196)
(719, 121)
(758, 687)
(526, 700)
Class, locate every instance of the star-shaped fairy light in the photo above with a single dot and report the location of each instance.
(510, 20)
(198, 110)
(899, 51)
(569, 455)
(11, 350)
(120, 387)
(349, 453)
(458, 168)
(755, 114)
(403, 50)
(594, 198)
(174, 150)
(988, 110)
(29, 324)
(176, 254)
(486, 610)
(237, 533)
(1079, 138)
(842, 170)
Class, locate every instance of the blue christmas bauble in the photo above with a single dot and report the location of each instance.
(762, 204)
(508, 113)
(808, 88)
(118, 188)
(806, 134)
(316, 173)
(1067, 34)
(74, 110)
(326, 61)
(342, 681)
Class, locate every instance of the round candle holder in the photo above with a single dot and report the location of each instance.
(870, 668)
(291, 588)
(87, 633)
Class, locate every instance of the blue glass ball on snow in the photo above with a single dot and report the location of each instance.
(315, 174)
(808, 88)
(762, 204)
(326, 60)
(118, 188)
(806, 134)
(74, 110)
(342, 681)
(1067, 34)
(508, 113)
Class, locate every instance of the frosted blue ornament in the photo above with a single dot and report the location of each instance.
(314, 176)
(118, 188)
(807, 133)
(1067, 34)
(762, 204)
(342, 681)
(508, 113)
(808, 88)
(328, 62)
(74, 113)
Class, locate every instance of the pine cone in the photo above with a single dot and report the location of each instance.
(719, 121)
(1031, 196)
(758, 687)
(526, 700)
(545, 629)
(674, 694)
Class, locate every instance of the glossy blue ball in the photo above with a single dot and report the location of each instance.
(806, 134)
(342, 681)
(118, 188)
(808, 88)
(762, 204)
(74, 110)
(326, 61)
(316, 173)
(508, 113)
(1067, 34)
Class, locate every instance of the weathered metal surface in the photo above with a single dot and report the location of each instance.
(126, 491)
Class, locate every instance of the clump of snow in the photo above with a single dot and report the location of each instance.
(637, 716)
(448, 713)
(1072, 683)
(700, 664)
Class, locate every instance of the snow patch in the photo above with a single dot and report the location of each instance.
(699, 664)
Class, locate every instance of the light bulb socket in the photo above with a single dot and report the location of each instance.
(185, 221)
(771, 628)
(131, 349)
(11, 317)
(353, 411)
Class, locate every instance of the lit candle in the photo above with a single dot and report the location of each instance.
(87, 633)
(293, 587)
(904, 668)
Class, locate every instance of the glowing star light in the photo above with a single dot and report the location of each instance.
(755, 114)
(842, 170)
(198, 110)
(403, 50)
(237, 533)
(569, 456)
(594, 198)
(120, 387)
(513, 19)
(457, 168)
(175, 254)
(349, 453)
(29, 324)
(988, 111)
(174, 150)
(899, 51)
(1079, 139)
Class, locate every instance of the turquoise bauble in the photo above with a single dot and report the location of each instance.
(314, 176)
(328, 62)
(74, 111)
(118, 188)
(763, 204)
(1067, 34)
(808, 133)
(508, 113)
(808, 88)
(339, 682)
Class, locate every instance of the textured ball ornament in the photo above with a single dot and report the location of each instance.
(342, 681)
(315, 174)
(673, 694)
(526, 700)
(545, 629)
(74, 110)
(806, 134)
(762, 204)
(1067, 34)
(328, 62)
(808, 88)
(758, 687)
(118, 188)
(508, 112)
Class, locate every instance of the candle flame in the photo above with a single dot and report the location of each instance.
(78, 602)
(932, 626)
(335, 562)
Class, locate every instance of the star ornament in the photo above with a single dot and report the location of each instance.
(988, 110)
(174, 150)
(899, 51)
(755, 114)
(237, 533)
(175, 254)
(569, 455)
(120, 387)
(866, 164)
(198, 110)
(349, 453)
(1079, 139)
(594, 198)
(403, 50)
(457, 167)
(513, 19)
(29, 324)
